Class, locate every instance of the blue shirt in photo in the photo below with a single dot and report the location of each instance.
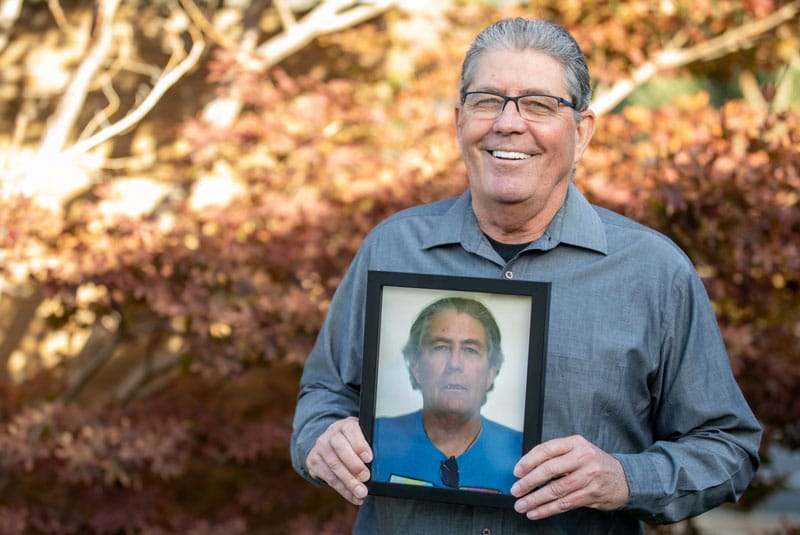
(404, 454)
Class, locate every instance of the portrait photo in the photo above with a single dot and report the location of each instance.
(452, 364)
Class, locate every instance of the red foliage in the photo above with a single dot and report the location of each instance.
(235, 294)
(728, 194)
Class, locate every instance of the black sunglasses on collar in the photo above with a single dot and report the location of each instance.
(448, 472)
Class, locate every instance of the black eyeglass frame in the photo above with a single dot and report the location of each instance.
(515, 100)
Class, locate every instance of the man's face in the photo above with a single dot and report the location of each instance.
(510, 160)
(453, 368)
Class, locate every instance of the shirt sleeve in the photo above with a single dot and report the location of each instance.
(706, 438)
(331, 379)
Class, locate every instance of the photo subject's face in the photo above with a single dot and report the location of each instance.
(453, 369)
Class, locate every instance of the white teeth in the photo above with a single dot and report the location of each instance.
(510, 155)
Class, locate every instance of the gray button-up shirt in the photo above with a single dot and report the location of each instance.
(635, 364)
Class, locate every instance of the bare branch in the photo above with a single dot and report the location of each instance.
(72, 102)
(9, 13)
(286, 15)
(58, 14)
(101, 117)
(52, 155)
(34, 177)
(151, 369)
(96, 352)
(206, 27)
(17, 314)
(167, 80)
(335, 15)
(24, 117)
(158, 383)
(329, 16)
(726, 43)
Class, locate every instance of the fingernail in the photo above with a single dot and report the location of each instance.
(361, 491)
(515, 489)
(520, 506)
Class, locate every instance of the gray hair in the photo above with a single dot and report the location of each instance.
(539, 35)
(463, 305)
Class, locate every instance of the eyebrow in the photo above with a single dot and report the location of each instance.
(526, 91)
(468, 341)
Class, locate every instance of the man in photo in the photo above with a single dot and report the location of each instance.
(453, 354)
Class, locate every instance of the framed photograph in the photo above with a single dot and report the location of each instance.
(452, 384)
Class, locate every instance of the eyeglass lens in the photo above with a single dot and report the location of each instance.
(530, 107)
(448, 471)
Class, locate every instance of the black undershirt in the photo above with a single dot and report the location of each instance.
(507, 250)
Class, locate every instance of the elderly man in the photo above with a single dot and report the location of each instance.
(643, 420)
(453, 356)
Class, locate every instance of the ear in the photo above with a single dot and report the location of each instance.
(413, 365)
(457, 117)
(490, 377)
(585, 131)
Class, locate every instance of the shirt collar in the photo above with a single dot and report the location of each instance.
(576, 223)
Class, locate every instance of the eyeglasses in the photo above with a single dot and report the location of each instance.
(536, 108)
(448, 471)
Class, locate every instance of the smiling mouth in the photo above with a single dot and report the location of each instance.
(510, 155)
(454, 387)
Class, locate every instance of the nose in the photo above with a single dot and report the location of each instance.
(455, 360)
(509, 118)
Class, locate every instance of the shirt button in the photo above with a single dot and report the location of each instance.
(487, 531)
(509, 274)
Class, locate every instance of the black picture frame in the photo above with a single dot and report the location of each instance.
(391, 301)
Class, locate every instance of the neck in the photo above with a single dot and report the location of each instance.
(451, 436)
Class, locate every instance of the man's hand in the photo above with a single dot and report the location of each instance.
(339, 458)
(568, 473)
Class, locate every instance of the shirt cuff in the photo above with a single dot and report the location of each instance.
(644, 484)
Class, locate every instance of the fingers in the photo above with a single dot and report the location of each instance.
(339, 458)
(568, 473)
(547, 461)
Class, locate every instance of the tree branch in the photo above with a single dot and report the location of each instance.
(51, 157)
(285, 14)
(9, 13)
(72, 102)
(329, 16)
(204, 25)
(97, 351)
(151, 369)
(58, 14)
(168, 79)
(17, 314)
(726, 43)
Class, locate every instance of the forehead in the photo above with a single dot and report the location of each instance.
(456, 324)
(514, 72)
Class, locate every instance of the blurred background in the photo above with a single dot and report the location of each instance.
(184, 182)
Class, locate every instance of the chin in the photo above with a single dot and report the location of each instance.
(509, 190)
(509, 197)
